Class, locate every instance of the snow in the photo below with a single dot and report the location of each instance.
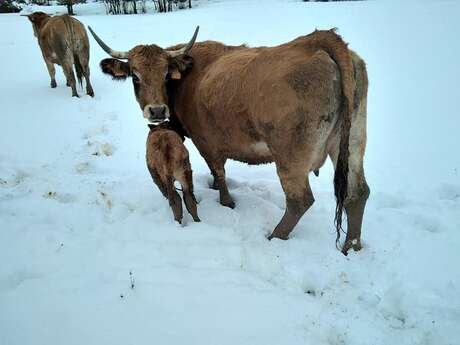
(74, 224)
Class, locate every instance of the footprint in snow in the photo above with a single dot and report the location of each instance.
(82, 168)
(15, 279)
(64, 198)
(104, 199)
(449, 192)
(16, 179)
(98, 149)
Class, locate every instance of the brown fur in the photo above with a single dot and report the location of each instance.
(167, 161)
(63, 41)
(293, 104)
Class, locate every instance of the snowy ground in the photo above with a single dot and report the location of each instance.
(73, 224)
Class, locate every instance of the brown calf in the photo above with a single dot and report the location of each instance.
(167, 161)
(63, 41)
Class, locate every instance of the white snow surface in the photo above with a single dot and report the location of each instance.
(73, 225)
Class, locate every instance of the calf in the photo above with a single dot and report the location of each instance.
(63, 41)
(167, 161)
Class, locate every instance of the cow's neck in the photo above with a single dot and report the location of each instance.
(41, 24)
(172, 87)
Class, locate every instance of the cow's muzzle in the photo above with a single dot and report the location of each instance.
(156, 113)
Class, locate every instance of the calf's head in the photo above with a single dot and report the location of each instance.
(150, 68)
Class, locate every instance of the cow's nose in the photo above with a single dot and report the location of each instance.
(157, 112)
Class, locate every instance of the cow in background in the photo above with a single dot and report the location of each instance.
(63, 41)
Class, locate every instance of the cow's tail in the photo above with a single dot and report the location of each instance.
(333, 44)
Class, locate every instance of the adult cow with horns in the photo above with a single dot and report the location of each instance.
(293, 104)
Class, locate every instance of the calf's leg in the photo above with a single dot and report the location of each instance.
(174, 200)
(157, 179)
(189, 197)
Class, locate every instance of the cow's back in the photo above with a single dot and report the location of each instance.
(64, 35)
(247, 93)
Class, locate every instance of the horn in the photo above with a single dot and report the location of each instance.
(107, 49)
(184, 50)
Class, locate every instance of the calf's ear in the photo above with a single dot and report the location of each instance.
(118, 70)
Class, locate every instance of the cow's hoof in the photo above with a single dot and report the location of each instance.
(74, 94)
(351, 244)
(278, 236)
(228, 203)
(53, 84)
(90, 93)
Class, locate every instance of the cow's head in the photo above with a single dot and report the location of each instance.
(38, 19)
(150, 68)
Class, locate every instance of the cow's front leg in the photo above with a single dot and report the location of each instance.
(214, 184)
(52, 73)
(217, 169)
(299, 198)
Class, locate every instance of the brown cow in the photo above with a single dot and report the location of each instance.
(167, 161)
(294, 104)
(63, 41)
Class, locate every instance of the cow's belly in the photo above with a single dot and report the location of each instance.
(256, 152)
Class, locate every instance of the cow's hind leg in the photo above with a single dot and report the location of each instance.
(52, 73)
(89, 87)
(218, 171)
(357, 194)
(68, 71)
(299, 199)
(357, 188)
(85, 70)
(174, 200)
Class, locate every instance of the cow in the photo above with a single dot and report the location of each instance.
(63, 41)
(294, 104)
(168, 161)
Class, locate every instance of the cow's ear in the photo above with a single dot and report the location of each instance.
(179, 66)
(119, 70)
(29, 16)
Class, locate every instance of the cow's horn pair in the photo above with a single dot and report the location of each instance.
(124, 55)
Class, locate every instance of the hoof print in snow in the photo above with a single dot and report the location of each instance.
(82, 168)
(106, 149)
(102, 150)
(310, 292)
(62, 198)
(105, 199)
